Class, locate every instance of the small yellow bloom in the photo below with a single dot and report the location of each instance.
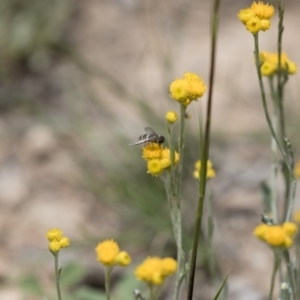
(268, 68)
(54, 246)
(288, 243)
(253, 25)
(210, 172)
(179, 89)
(54, 234)
(290, 228)
(169, 266)
(260, 231)
(166, 158)
(262, 11)
(297, 170)
(64, 242)
(107, 251)
(153, 270)
(57, 240)
(245, 15)
(275, 236)
(155, 166)
(152, 151)
(171, 117)
(123, 259)
(292, 67)
(265, 24)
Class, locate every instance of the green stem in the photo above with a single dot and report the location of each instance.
(205, 152)
(57, 275)
(274, 272)
(151, 292)
(108, 271)
(290, 272)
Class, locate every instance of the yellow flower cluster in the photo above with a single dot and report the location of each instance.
(158, 159)
(57, 240)
(210, 172)
(297, 169)
(109, 254)
(257, 16)
(277, 235)
(186, 89)
(154, 270)
(270, 64)
(171, 117)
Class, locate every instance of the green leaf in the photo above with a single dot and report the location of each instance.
(71, 274)
(221, 287)
(31, 285)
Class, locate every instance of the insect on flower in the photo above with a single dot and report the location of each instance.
(149, 137)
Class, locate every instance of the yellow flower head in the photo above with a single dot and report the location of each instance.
(169, 266)
(155, 166)
(262, 11)
(245, 15)
(64, 242)
(57, 240)
(275, 236)
(166, 158)
(253, 25)
(152, 151)
(171, 117)
(190, 88)
(290, 228)
(153, 270)
(268, 68)
(54, 234)
(123, 259)
(179, 89)
(297, 170)
(107, 252)
(54, 246)
(260, 231)
(210, 172)
(265, 24)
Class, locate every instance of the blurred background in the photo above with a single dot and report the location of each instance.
(79, 80)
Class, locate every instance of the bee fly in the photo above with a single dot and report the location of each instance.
(149, 137)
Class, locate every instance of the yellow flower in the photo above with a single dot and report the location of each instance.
(155, 167)
(262, 11)
(64, 242)
(290, 228)
(153, 270)
(166, 158)
(54, 246)
(210, 172)
(297, 170)
(107, 252)
(260, 231)
(56, 240)
(292, 67)
(54, 234)
(253, 25)
(268, 68)
(179, 89)
(171, 117)
(265, 24)
(245, 15)
(152, 151)
(123, 259)
(275, 236)
(169, 266)
(190, 88)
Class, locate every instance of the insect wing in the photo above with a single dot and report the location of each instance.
(150, 130)
(139, 141)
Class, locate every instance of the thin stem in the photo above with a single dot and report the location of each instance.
(57, 275)
(205, 152)
(151, 292)
(274, 272)
(290, 272)
(108, 271)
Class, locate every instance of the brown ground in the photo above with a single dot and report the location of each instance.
(143, 45)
